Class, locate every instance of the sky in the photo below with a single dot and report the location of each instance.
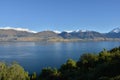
(61, 15)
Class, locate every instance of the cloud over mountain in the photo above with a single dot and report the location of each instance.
(18, 29)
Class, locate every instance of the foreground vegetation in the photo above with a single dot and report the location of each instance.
(102, 66)
(12, 72)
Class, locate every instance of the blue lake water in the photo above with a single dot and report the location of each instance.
(34, 56)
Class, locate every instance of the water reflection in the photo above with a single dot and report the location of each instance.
(36, 55)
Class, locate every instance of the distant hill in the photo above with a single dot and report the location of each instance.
(26, 35)
(14, 33)
(47, 34)
(82, 35)
(112, 35)
(17, 35)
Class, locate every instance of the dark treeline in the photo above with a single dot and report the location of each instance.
(102, 66)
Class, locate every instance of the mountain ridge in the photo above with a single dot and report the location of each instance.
(20, 34)
(115, 30)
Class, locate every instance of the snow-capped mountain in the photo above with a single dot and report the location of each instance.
(23, 34)
(116, 30)
(81, 34)
(115, 33)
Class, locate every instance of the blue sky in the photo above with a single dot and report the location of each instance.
(38, 15)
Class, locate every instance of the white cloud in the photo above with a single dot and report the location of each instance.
(18, 29)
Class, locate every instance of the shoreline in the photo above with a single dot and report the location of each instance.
(62, 40)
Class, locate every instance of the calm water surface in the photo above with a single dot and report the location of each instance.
(34, 56)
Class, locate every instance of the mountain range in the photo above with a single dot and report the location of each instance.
(19, 34)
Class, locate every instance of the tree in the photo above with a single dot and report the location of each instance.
(34, 76)
(88, 60)
(49, 74)
(12, 72)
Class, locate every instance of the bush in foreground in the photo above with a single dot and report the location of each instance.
(12, 72)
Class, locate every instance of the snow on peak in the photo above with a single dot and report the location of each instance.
(68, 31)
(116, 30)
(18, 29)
(82, 31)
(78, 30)
(57, 31)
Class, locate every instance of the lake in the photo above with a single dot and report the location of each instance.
(34, 56)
